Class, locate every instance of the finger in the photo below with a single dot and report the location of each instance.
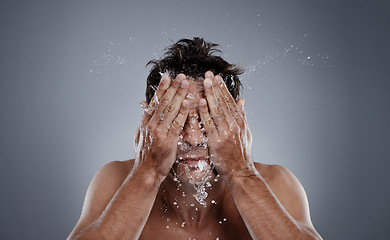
(144, 105)
(148, 111)
(163, 85)
(161, 89)
(146, 116)
(167, 98)
(149, 108)
(241, 106)
(233, 107)
(218, 84)
(177, 124)
(206, 119)
(136, 137)
(214, 107)
(173, 107)
(209, 74)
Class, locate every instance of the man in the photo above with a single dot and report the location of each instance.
(193, 176)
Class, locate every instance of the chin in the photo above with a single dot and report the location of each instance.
(193, 172)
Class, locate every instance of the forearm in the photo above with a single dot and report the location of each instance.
(126, 214)
(263, 214)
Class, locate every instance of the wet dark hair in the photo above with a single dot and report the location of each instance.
(193, 57)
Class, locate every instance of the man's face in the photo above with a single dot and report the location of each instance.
(192, 161)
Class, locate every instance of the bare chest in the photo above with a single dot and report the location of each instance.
(214, 228)
(178, 231)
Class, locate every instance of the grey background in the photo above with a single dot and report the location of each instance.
(317, 89)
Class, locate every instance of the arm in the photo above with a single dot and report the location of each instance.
(117, 206)
(277, 209)
(283, 214)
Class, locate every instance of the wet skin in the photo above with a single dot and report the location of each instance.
(176, 211)
(188, 123)
(192, 158)
(210, 127)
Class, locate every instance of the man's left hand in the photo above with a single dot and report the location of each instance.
(229, 137)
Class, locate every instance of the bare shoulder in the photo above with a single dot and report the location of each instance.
(117, 169)
(110, 177)
(287, 189)
(102, 188)
(276, 175)
(105, 184)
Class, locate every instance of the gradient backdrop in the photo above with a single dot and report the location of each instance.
(317, 89)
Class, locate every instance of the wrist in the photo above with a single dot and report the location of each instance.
(147, 175)
(235, 177)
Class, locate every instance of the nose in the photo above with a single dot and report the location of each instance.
(193, 134)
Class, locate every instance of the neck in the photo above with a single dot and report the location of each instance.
(179, 203)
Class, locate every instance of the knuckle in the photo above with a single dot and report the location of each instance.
(176, 127)
(176, 123)
(208, 122)
(219, 111)
(229, 100)
(179, 116)
(164, 100)
(175, 85)
(169, 108)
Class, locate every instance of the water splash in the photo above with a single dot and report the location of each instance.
(111, 60)
(295, 53)
(200, 186)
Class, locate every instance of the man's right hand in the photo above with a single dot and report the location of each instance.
(162, 122)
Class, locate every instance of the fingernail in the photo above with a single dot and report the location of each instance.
(167, 78)
(219, 79)
(180, 77)
(183, 84)
(207, 82)
(209, 74)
